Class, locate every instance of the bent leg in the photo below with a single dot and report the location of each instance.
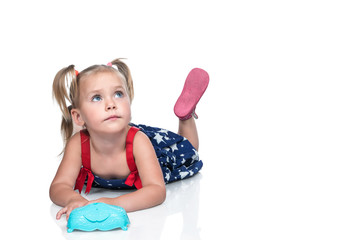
(187, 129)
(195, 86)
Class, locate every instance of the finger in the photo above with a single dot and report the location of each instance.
(61, 212)
(68, 213)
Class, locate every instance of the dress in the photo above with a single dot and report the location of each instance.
(178, 159)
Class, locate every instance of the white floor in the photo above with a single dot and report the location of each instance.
(279, 124)
(236, 196)
(181, 209)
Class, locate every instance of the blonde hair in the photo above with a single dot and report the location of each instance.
(66, 89)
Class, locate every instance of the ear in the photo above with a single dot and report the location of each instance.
(76, 116)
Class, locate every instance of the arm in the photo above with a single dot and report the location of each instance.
(61, 189)
(153, 191)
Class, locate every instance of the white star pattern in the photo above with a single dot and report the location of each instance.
(196, 155)
(167, 176)
(174, 147)
(163, 131)
(158, 138)
(183, 174)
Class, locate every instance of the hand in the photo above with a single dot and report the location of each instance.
(71, 206)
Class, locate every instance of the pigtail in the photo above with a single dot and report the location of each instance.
(65, 79)
(125, 71)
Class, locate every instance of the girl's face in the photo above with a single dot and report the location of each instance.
(104, 105)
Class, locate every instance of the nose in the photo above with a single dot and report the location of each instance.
(110, 106)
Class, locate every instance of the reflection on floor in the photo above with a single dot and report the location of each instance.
(177, 216)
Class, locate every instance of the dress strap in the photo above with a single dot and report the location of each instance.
(85, 171)
(133, 178)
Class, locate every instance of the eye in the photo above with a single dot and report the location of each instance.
(119, 94)
(96, 98)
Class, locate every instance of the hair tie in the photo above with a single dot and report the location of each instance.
(76, 73)
(112, 65)
(70, 107)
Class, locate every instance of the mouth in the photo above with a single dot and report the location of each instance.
(112, 117)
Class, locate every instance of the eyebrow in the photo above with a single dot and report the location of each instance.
(99, 90)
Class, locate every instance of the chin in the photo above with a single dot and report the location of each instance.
(116, 128)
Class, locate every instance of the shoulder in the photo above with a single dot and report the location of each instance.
(140, 136)
(142, 144)
(146, 161)
(75, 140)
(140, 139)
(73, 147)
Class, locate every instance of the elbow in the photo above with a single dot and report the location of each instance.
(161, 194)
(51, 192)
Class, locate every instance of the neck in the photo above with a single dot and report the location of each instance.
(107, 144)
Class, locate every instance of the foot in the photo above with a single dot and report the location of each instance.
(195, 86)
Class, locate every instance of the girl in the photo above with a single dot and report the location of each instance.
(110, 151)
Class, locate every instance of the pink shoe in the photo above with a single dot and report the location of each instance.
(195, 86)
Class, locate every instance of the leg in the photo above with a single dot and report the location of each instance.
(187, 128)
(195, 86)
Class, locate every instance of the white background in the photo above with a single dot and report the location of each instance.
(278, 125)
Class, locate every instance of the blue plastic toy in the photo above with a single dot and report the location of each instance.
(99, 216)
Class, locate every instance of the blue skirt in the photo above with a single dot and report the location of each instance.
(177, 157)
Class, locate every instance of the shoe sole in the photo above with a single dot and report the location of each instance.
(195, 86)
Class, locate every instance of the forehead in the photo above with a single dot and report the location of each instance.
(100, 80)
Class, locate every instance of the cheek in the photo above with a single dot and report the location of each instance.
(126, 109)
(90, 113)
